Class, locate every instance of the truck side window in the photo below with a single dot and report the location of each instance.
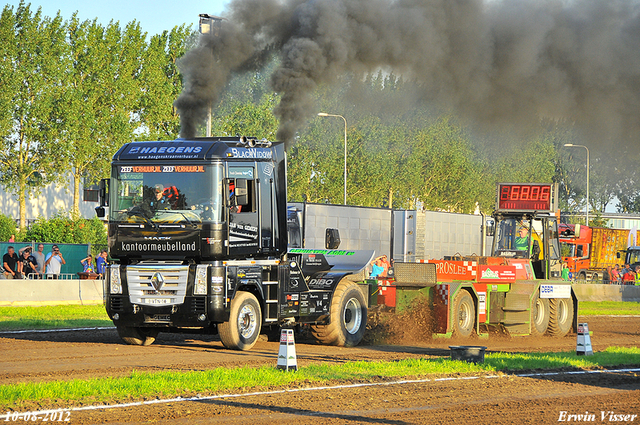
(579, 251)
(242, 195)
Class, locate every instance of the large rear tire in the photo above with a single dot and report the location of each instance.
(540, 316)
(348, 317)
(137, 336)
(464, 314)
(560, 316)
(245, 320)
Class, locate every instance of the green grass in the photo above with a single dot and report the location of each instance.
(617, 308)
(166, 384)
(52, 317)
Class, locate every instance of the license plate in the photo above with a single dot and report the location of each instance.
(157, 301)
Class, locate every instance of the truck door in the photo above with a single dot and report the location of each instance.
(242, 208)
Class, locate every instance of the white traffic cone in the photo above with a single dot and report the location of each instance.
(287, 352)
(583, 346)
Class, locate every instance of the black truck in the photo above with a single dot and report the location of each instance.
(197, 229)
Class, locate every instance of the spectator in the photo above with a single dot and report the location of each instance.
(101, 263)
(615, 275)
(27, 266)
(87, 264)
(39, 256)
(376, 268)
(625, 270)
(607, 278)
(385, 265)
(12, 238)
(637, 281)
(53, 262)
(565, 271)
(629, 278)
(10, 264)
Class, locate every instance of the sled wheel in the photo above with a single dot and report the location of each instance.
(540, 316)
(560, 316)
(464, 314)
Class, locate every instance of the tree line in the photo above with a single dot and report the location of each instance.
(75, 91)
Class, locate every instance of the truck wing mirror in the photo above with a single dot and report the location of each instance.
(332, 239)
(490, 228)
(103, 192)
(241, 192)
(101, 212)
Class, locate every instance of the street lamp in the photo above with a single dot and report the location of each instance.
(209, 25)
(571, 145)
(323, 114)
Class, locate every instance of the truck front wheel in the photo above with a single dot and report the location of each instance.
(561, 316)
(245, 320)
(464, 314)
(540, 316)
(137, 336)
(348, 317)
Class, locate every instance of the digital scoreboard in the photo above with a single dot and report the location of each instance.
(526, 197)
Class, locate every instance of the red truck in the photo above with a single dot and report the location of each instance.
(588, 251)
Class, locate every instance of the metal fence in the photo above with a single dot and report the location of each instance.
(72, 254)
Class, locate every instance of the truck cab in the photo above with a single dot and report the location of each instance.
(526, 228)
(198, 231)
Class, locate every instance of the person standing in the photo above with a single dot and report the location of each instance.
(10, 264)
(101, 263)
(39, 256)
(87, 265)
(27, 265)
(53, 262)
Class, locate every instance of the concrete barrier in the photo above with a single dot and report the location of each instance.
(601, 292)
(37, 292)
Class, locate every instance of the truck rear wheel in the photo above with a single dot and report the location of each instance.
(540, 316)
(137, 336)
(464, 314)
(561, 316)
(245, 320)
(348, 317)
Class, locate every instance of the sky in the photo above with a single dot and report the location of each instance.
(154, 16)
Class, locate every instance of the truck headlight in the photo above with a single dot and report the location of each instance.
(200, 287)
(115, 285)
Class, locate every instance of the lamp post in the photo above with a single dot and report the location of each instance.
(209, 25)
(323, 114)
(571, 145)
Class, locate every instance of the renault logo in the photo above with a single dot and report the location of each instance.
(157, 280)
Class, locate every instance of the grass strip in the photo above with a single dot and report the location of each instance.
(167, 384)
(615, 308)
(53, 317)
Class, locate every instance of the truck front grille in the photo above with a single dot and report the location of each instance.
(170, 284)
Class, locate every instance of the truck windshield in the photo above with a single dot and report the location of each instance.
(568, 249)
(167, 193)
(510, 240)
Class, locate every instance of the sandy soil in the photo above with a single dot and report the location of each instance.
(84, 354)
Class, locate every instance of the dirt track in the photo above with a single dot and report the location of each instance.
(66, 355)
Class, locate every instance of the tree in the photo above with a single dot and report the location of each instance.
(32, 49)
(102, 92)
(161, 84)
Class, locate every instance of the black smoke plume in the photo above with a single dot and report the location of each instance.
(492, 61)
